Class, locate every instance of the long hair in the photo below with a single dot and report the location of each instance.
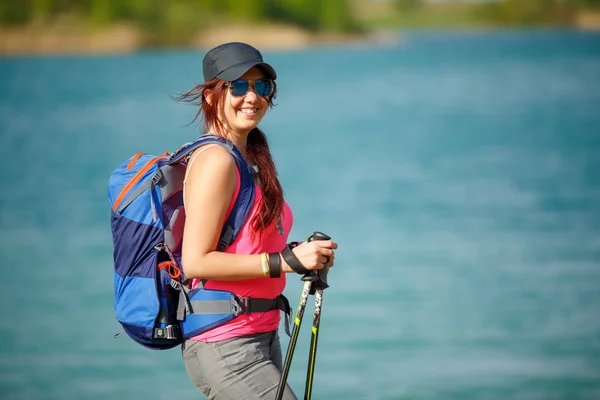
(271, 205)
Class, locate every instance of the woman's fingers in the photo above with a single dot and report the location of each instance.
(326, 260)
(316, 254)
(329, 244)
(330, 261)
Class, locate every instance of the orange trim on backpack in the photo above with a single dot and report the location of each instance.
(134, 160)
(135, 179)
(173, 271)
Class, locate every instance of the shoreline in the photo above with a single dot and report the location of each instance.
(123, 39)
(38, 40)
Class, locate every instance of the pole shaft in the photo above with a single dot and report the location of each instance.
(293, 339)
(312, 355)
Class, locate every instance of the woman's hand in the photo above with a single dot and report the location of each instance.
(313, 255)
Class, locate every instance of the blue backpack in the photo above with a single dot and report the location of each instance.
(151, 298)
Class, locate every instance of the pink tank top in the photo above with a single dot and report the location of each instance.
(273, 239)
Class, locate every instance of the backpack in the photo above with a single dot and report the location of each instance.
(151, 298)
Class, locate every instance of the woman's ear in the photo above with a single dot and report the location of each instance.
(208, 95)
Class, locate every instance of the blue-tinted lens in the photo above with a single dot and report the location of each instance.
(263, 87)
(239, 88)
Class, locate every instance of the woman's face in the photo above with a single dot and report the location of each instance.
(242, 114)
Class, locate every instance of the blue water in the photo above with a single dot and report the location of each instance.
(459, 172)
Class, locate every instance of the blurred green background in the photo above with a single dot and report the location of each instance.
(47, 25)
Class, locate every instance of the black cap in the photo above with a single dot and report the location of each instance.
(229, 61)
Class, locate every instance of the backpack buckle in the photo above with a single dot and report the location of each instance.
(156, 178)
(175, 285)
(169, 332)
(172, 332)
(236, 307)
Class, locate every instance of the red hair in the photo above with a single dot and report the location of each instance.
(271, 204)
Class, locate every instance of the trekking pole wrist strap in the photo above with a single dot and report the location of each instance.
(291, 259)
(274, 265)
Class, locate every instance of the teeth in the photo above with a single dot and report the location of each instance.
(249, 111)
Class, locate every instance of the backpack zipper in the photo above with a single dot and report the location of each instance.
(135, 179)
(134, 160)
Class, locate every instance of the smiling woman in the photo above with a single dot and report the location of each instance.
(241, 358)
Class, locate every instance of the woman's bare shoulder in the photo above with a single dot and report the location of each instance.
(211, 157)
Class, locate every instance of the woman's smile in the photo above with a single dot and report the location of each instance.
(249, 111)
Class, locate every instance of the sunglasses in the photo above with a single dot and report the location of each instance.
(262, 87)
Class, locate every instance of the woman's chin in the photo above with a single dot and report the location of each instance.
(247, 125)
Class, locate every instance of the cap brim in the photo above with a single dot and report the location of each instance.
(234, 72)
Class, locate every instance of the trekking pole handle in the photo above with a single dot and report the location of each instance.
(318, 236)
(321, 275)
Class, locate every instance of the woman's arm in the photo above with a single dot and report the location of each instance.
(210, 185)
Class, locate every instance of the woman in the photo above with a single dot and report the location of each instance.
(240, 359)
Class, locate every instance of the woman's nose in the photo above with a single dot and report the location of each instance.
(251, 94)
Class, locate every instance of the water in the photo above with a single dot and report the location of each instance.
(459, 172)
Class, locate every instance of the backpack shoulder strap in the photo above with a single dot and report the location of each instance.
(242, 206)
(188, 148)
(245, 199)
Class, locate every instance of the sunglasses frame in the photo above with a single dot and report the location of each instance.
(252, 84)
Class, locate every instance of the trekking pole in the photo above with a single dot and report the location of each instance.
(308, 279)
(319, 286)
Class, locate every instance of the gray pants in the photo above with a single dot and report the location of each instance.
(246, 367)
